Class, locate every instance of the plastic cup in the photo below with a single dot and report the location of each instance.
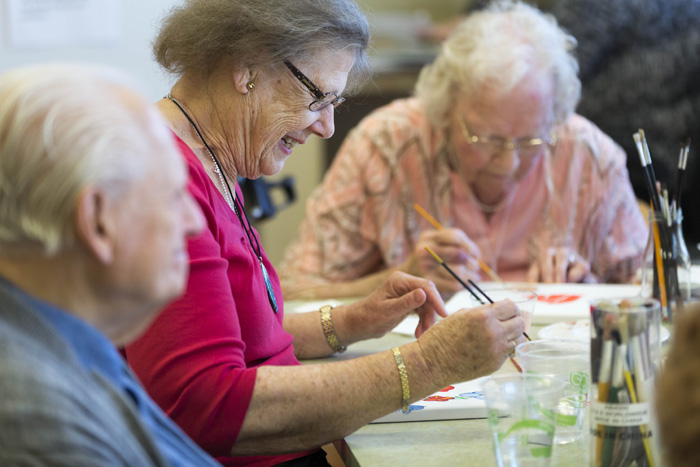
(521, 411)
(569, 362)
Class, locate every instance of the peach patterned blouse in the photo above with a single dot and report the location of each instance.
(361, 219)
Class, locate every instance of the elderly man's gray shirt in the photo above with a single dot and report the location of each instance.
(52, 410)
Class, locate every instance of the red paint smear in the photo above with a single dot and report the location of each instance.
(448, 388)
(557, 298)
(438, 399)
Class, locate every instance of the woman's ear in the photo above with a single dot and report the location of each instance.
(244, 80)
(94, 224)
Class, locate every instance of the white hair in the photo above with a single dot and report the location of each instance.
(62, 128)
(494, 50)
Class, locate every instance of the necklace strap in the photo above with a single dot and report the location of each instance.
(229, 194)
(237, 208)
(235, 204)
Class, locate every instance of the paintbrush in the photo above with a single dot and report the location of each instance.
(444, 265)
(490, 301)
(438, 226)
(682, 162)
(616, 447)
(604, 378)
(620, 337)
(651, 182)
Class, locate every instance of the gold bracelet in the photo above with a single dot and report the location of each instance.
(405, 390)
(329, 330)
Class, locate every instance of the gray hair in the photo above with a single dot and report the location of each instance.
(495, 49)
(62, 127)
(202, 35)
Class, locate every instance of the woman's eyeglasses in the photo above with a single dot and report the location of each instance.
(323, 99)
(495, 145)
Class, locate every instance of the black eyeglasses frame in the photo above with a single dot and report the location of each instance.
(323, 99)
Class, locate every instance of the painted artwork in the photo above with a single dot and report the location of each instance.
(557, 302)
(458, 401)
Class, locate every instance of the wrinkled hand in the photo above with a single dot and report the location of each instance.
(391, 302)
(456, 250)
(473, 342)
(558, 265)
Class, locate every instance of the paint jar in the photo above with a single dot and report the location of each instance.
(666, 266)
(625, 353)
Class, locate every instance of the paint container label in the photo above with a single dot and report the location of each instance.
(620, 414)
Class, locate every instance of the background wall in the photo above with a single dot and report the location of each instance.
(438, 9)
(138, 21)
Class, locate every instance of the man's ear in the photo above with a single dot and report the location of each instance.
(94, 224)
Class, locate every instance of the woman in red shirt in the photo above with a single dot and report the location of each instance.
(254, 81)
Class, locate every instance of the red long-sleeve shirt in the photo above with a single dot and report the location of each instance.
(199, 359)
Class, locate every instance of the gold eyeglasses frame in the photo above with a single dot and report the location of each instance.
(503, 143)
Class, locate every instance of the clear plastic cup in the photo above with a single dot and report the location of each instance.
(569, 362)
(522, 411)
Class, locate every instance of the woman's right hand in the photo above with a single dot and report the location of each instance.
(459, 252)
(472, 342)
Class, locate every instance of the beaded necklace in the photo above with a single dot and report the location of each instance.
(237, 207)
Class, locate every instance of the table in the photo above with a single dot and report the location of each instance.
(434, 443)
(437, 443)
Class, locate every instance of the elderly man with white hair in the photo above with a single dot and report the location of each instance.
(94, 218)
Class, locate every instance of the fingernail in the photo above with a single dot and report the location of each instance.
(417, 296)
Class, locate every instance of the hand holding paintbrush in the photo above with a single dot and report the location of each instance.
(476, 296)
(453, 245)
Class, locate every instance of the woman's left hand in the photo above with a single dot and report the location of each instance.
(400, 295)
(558, 265)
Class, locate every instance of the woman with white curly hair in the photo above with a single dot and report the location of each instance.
(490, 145)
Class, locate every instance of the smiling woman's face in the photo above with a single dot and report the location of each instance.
(520, 116)
(283, 118)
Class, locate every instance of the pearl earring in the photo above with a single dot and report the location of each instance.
(250, 86)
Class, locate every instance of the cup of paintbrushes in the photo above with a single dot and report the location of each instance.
(666, 267)
(625, 351)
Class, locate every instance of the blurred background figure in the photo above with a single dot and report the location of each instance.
(85, 265)
(677, 401)
(639, 61)
(491, 147)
